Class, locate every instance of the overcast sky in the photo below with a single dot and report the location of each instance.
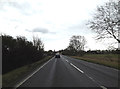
(54, 21)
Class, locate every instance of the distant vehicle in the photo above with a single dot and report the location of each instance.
(57, 55)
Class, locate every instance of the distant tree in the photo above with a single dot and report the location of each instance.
(50, 53)
(38, 43)
(67, 52)
(106, 21)
(76, 46)
(77, 43)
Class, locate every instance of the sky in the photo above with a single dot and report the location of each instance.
(54, 21)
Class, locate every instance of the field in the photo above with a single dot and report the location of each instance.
(9, 79)
(111, 60)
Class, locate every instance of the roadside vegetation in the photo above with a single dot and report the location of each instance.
(20, 57)
(110, 60)
(18, 52)
(105, 57)
(14, 76)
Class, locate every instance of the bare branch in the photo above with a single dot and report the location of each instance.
(105, 21)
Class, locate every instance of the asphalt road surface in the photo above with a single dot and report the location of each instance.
(70, 72)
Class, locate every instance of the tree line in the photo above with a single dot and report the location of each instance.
(77, 44)
(17, 52)
(83, 52)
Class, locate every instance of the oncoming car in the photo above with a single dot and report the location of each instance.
(57, 55)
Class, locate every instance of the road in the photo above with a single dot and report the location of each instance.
(70, 72)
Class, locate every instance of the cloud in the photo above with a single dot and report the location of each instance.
(41, 30)
(23, 6)
(34, 15)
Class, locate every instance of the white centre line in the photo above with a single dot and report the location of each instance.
(96, 82)
(32, 74)
(103, 87)
(76, 68)
(85, 74)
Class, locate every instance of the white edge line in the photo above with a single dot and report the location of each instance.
(83, 72)
(76, 68)
(32, 74)
(103, 87)
(96, 82)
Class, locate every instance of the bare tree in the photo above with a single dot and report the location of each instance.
(38, 43)
(77, 43)
(106, 21)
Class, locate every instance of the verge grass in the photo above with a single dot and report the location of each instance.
(110, 60)
(9, 79)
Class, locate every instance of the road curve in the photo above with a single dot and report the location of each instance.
(70, 72)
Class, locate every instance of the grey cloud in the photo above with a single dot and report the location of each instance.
(24, 7)
(41, 30)
(18, 5)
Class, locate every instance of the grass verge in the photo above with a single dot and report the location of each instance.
(9, 79)
(110, 60)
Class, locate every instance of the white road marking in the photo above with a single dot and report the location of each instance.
(96, 82)
(103, 87)
(76, 68)
(86, 74)
(66, 60)
(91, 78)
(32, 74)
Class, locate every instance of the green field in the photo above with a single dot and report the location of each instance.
(9, 79)
(110, 60)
